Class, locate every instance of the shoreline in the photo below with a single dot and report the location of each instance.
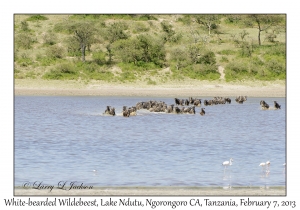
(173, 89)
(158, 191)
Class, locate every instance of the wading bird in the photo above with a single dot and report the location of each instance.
(265, 167)
(227, 163)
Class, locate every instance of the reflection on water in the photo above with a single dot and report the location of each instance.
(69, 139)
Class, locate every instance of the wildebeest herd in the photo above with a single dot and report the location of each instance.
(264, 105)
(181, 106)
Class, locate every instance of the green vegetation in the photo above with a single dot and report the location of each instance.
(140, 46)
(36, 18)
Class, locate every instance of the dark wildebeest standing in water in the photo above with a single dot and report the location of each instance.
(241, 99)
(202, 111)
(179, 102)
(208, 102)
(189, 110)
(197, 102)
(264, 105)
(110, 110)
(126, 113)
(132, 111)
(276, 105)
(228, 100)
(187, 102)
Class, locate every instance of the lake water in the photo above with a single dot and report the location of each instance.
(65, 138)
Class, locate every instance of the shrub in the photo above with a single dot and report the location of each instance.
(116, 31)
(257, 61)
(36, 18)
(44, 60)
(24, 60)
(246, 49)
(233, 19)
(87, 67)
(63, 71)
(179, 56)
(73, 48)
(208, 58)
(140, 49)
(185, 19)
(49, 38)
(24, 40)
(271, 37)
(237, 67)
(140, 27)
(175, 38)
(146, 17)
(276, 67)
(99, 57)
(278, 50)
(167, 28)
(24, 26)
(224, 59)
(67, 68)
(55, 52)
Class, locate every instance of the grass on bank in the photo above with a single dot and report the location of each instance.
(42, 50)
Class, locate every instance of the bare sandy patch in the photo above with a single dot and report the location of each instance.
(169, 89)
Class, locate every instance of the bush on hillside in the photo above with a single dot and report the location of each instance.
(99, 57)
(24, 41)
(55, 52)
(36, 18)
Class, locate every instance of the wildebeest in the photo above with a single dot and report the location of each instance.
(132, 111)
(110, 111)
(152, 106)
(228, 100)
(276, 105)
(202, 111)
(176, 110)
(179, 102)
(139, 105)
(191, 100)
(170, 109)
(125, 112)
(189, 110)
(241, 99)
(192, 110)
(187, 102)
(264, 105)
(197, 102)
(208, 102)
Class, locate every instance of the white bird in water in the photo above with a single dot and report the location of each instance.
(227, 163)
(265, 167)
(262, 165)
(284, 167)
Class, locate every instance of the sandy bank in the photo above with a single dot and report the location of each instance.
(161, 191)
(171, 89)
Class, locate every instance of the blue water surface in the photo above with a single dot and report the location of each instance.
(66, 138)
